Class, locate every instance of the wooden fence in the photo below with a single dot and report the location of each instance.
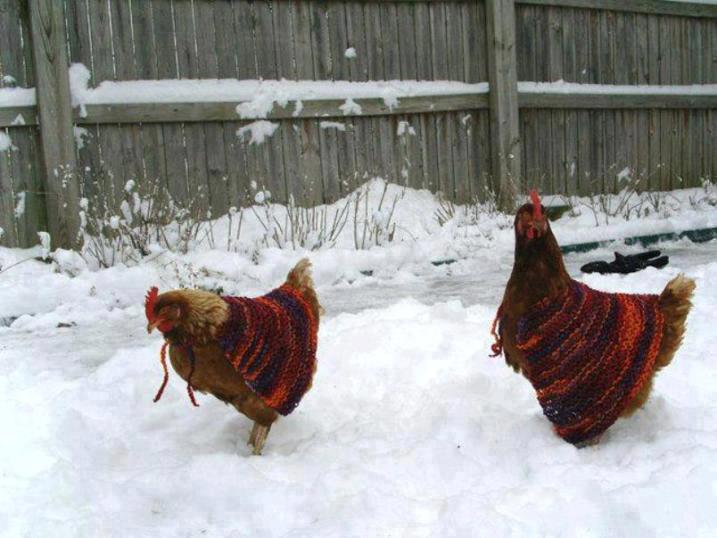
(458, 144)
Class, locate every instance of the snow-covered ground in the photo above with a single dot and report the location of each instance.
(410, 428)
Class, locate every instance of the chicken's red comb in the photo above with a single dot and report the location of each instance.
(149, 303)
(537, 206)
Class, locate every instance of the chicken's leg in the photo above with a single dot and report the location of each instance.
(258, 437)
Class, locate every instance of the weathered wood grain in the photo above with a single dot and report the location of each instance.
(653, 142)
(588, 153)
(145, 29)
(8, 223)
(12, 49)
(191, 65)
(454, 42)
(126, 69)
(502, 75)
(309, 145)
(615, 101)
(27, 171)
(526, 42)
(407, 41)
(390, 41)
(55, 112)
(661, 7)
(424, 45)
(356, 38)
(108, 139)
(470, 41)
(570, 143)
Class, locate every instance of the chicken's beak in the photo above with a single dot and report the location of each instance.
(152, 326)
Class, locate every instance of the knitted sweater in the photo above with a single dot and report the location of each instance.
(271, 341)
(588, 355)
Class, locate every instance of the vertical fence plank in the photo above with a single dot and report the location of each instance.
(215, 166)
(376, 71)
(454, 42)
(282, 13)
(344, 140)
(28, 179)
(7, 199)
(654, 149)
(190, 66)
(114, 171)
(711, 143)
(323, 70)
(312, 192)
(472, 48)
(529, 140)
(55, 112)
(422, 38)
(175, 160)
(390, 38)
(356, 34)
(424, 71)
(570, 23)
(407, 41)
(439, 40)
(505, 134)
(145, 39)
(409, 165)
(20, 174)
(284, 17)
(676, 72)
(588, 156)
(126, 69)
(461, 171)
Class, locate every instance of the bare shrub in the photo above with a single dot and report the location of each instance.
(626, 203)
(373, 226)
(147, 216)
(707, 196)
(300, 227)
(479, 210)
(446, 211)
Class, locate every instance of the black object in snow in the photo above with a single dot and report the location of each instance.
(627, 264)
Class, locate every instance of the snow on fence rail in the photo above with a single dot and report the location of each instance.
(172, 86)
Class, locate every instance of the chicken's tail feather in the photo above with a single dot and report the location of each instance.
(300, 278)
(675, 304)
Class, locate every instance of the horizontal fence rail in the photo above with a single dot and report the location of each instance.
(654, 7)
(119, 113)
(638, 99)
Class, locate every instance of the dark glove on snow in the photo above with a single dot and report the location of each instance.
(627, 264)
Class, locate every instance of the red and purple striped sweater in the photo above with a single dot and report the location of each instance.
(271, 341)
(588, 354)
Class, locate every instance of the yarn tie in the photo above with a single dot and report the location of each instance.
(163, 360)
(192, 364)
(497, 346)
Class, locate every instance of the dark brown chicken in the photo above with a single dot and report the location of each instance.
(258, 355)
(591, 356)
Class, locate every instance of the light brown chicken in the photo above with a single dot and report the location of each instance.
(258, 355)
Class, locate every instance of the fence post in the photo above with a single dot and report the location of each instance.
(62, 189)
(503, 79)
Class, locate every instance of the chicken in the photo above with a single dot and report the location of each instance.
(591, 356)
(258, 355)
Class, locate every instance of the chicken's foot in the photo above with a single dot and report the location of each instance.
(257, 438)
